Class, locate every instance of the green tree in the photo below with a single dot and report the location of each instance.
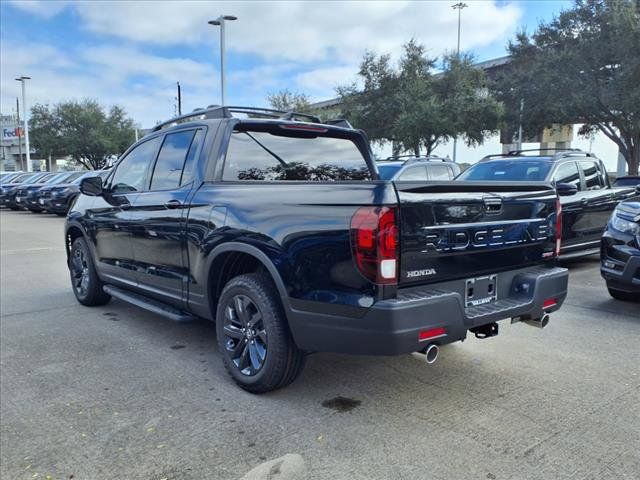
(582, 67)
(287, 101)
(82, 130)
(415, 108)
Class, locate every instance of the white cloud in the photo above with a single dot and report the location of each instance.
(321, 83)
(41, 8)
(144, 84)
(307, 46)
(303, 31)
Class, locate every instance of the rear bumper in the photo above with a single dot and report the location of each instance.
(392, 327)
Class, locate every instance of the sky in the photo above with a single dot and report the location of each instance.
(133, 53)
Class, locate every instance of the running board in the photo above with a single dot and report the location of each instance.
(149, 304)
(579, 253)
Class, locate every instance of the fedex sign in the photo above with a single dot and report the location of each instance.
(9, 133)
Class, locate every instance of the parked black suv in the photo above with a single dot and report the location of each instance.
(282, 232)
(59, 198)
(620, 257)
(8, 190)
(409, 168)
(581, 180)
(28, 196)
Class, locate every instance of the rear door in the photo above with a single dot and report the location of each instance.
(597, 198)
(573, 206)
(159, 216)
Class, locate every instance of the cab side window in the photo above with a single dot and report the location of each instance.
(592, 176)
(131, 171)
(568, 173)
(171, 159)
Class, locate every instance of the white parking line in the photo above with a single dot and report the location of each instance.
(33, 250)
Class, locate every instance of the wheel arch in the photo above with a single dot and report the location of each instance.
(72, 231)
(233, 258)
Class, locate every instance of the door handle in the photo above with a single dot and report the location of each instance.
(584, 201)
(173, 204)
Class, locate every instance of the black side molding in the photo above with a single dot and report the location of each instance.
(149, 304)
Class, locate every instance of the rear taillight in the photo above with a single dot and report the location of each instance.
(374, 239)
(558, 226)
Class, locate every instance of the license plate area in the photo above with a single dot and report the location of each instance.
(480, 290)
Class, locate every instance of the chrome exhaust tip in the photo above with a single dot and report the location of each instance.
(431, 353)
(539, 322)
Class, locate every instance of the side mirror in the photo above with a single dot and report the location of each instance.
(566, 189)
(638, 189)
(91, 186)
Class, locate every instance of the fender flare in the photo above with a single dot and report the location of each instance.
(260, 256)
(74, 224)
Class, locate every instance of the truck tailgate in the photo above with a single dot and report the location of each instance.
(451, 230)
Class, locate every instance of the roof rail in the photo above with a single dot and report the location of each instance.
(520, 152)
(217, 111)
(413, 158)
(495, 155)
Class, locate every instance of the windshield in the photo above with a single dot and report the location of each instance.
(21, 178)
(70, 177)
(519, 170)
(44, 178)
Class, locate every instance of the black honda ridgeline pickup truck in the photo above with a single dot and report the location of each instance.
(281, 231)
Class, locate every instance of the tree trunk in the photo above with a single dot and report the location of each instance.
(416, 150)
(634, 159)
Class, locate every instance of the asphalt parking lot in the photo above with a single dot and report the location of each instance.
(115, 392)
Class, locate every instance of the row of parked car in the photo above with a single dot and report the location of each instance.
(42, 191)
(598, 216)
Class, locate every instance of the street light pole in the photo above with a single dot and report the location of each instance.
(458, 6)
(23, 81)
(220, 21)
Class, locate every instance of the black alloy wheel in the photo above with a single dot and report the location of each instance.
(245, 336)
(80, 272)
(253, 335)
(86, 285)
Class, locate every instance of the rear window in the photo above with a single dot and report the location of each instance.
(507, 170)
(254, 155)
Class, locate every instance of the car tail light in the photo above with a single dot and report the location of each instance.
(549, 303)
(558, 226)
(374, 239)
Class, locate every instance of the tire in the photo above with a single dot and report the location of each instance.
(269, 359)
(624, 296)
(85, 283)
